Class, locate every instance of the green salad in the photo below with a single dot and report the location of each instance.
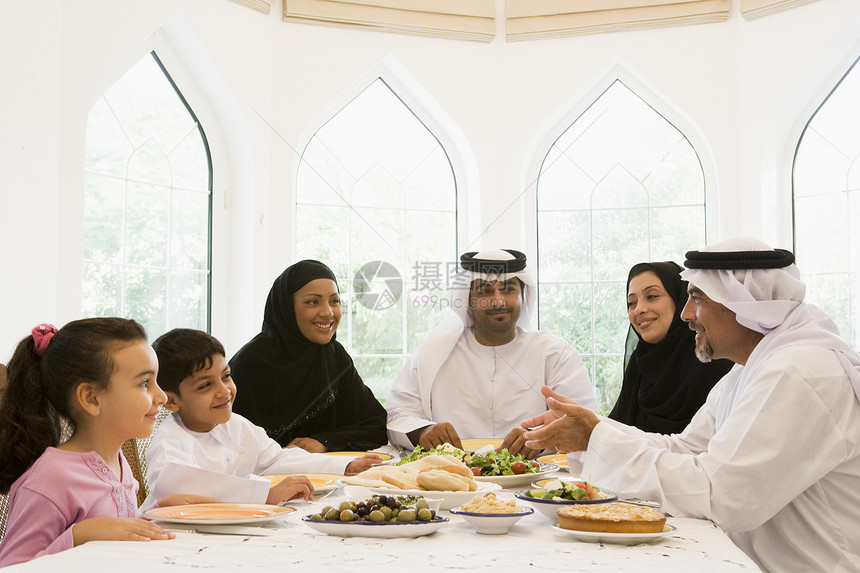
(501, 463)
(569, 491)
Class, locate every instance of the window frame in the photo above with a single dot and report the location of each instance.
(440, 126)
(573, 111)
(232, 311)
(849, 65)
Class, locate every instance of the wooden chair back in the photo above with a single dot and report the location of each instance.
(4, 510)
(134, 451)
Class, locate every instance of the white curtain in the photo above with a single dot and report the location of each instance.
(458, 19)
(534, 19)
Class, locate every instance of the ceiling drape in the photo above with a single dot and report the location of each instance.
(458, 19)
(264, 6)
(756, 8)
(524, 19)
(535, 19)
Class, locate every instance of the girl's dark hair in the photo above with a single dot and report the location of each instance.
(37, 397)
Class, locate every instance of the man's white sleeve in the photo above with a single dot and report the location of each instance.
(405, 411)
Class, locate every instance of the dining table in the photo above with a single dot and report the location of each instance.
(288, 543)
(531, 545)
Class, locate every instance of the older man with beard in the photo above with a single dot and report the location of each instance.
(773, 457)
(480, 372)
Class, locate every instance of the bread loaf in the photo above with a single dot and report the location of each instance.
(437, 473)
(442, 480)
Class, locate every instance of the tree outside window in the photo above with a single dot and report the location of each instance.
(621, 185)
(376, 200)
(826, 193)
(147, 205)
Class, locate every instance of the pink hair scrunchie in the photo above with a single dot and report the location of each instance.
(42, 335)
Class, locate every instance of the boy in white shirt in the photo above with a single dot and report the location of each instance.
(203, 447)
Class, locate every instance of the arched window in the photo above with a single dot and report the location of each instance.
(620, 186)
(147, 205)
(376, 200)
(826, 193)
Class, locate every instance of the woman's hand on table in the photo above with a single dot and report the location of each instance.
(290, 488)
(565, 427)
(117, 529)
(358, 465)
(308, 444)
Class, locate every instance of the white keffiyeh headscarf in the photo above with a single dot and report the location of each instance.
(770, 301)
(461, 284)
(440, 342)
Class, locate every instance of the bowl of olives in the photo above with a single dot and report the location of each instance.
(358, 493)
(377, 516)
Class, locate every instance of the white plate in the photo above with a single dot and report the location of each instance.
(384, 529)
(449, 498)
(475, 444)
(219, 513)
(558, 459)
(618, 538)
(323, 483)
(519, 479)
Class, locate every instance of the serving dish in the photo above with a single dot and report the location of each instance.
(551, 483)
(548, 507)
(359, 492)
(518, 480)
(448, 499)
(491, 523)
(382, 529)
(219, 513)
(617, 538)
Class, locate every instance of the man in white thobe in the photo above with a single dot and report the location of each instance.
(480, 372)
(773, 457)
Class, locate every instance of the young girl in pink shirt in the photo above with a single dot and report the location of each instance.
(98, 376)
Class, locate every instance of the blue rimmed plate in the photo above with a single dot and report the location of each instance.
(548, 507)
(491, 523)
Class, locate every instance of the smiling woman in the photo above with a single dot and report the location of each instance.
(296, 380)
(664, 384)
(317, 306)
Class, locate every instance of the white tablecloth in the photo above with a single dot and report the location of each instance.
(532, 544)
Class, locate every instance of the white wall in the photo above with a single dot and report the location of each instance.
(742, 86)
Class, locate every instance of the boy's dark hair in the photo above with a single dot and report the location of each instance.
(182, 352)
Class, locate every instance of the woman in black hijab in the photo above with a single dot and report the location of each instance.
(295, 380)
(664, 383)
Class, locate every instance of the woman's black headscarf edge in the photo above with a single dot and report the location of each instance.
(664, 383)
(283, 378)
